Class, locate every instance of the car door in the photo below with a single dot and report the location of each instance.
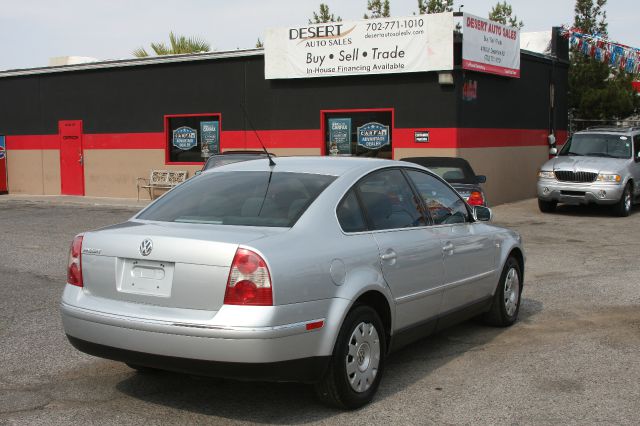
(410, 252)
(467, 247)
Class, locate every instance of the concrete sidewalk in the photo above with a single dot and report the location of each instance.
(131, 203)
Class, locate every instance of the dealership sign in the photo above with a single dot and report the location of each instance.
(490, 47)
(185, 138)
(373, 46)
(373, 135)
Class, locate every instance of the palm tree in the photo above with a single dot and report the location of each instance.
(178, 45)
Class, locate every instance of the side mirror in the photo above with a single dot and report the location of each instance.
(638, 156)
(483, 214)
(481, 178)
(553, 151)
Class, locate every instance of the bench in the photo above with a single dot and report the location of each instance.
(161, 179)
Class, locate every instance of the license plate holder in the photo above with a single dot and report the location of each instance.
(146, 277)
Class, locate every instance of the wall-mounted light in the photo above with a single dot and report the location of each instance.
(445, 78)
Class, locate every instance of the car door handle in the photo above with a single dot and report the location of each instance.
(389, 255)
(448, 247)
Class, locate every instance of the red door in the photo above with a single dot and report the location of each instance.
(71, 157)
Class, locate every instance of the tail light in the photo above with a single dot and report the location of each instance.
(249, 281)
(475, 199)
(74, 270)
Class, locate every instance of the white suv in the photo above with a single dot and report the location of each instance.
(599, 165)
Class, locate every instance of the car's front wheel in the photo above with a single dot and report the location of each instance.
(547, 206)
(623, 207)
(357, 362)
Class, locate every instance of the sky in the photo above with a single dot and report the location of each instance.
(32, 31)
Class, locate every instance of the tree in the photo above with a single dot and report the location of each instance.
(259, 43)
(595, 90)
(503, 13)
(324, 16)
(378, 9)
(177, 45)
(434, 6)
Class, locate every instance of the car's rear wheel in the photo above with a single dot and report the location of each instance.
(506, 301)
(623, 207)
(547, 206)
(357, 362)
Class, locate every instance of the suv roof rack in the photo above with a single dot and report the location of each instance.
(615, 128)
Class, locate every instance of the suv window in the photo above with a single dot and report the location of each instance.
(444, 205)
(598, 145)
(249, 198)
(350, 214)
(389, 201)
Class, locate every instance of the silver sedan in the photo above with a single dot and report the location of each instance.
(311, 270)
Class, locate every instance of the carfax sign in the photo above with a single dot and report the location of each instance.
(209, 138)
(373, 135)
(373, 46)
(490, 47)
(339, 136)
(185, 138)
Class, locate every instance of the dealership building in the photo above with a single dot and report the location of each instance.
(92, 129)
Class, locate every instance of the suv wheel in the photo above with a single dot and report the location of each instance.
(547, 206)
(623, 207)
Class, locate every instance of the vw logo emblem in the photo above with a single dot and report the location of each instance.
(146, 246)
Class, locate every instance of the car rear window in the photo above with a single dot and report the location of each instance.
(223, 160)
(248, 198)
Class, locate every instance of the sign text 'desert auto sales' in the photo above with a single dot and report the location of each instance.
(490, 47)
(375, 46)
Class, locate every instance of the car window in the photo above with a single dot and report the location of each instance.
(249, 198)
(450, 174)
(598, 145)
(389, 201)
(350, 214)
(443, 204)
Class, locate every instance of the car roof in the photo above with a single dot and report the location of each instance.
(333, 166)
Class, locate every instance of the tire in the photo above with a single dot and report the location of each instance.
(623, 207)
(352, 387)
(141, 369)
(506, 301)
(547, 206)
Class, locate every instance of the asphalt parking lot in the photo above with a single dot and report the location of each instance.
(571, 359)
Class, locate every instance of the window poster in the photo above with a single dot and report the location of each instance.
(339, 136)
(209, 137)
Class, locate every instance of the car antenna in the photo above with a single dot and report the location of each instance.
(271, 162)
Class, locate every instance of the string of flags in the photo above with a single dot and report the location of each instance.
(617, 55)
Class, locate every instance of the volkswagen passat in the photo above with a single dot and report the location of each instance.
(311, 270)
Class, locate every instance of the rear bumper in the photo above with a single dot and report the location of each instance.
(306, 370)
(216, 343)
(579, 193)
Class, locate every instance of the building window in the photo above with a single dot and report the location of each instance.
(365, 133)
(192, 138)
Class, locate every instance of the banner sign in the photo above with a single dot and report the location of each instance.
(490, 47)
(339, 136)
(373, 135)
(373, 46)
(185, 138)
(209, 138)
